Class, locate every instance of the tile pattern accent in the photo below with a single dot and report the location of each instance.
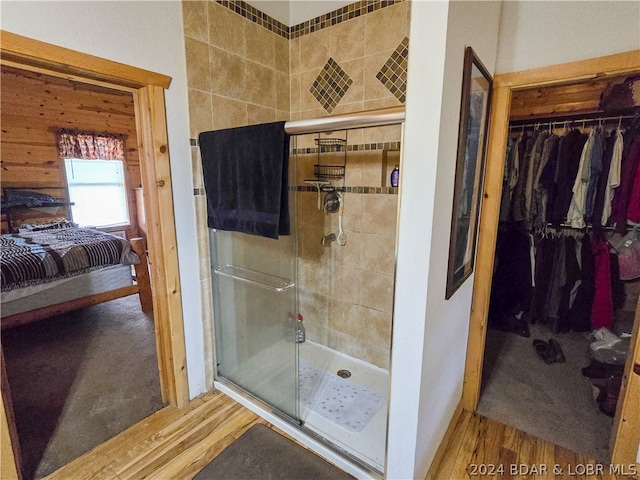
(335, 17)
(198, 191)
(351, 148)
(362, 190)
(331, 85)
(393, 73)
(363, 147)
(256, 16)
(340, 15)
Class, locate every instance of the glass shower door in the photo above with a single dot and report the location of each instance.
(254, 309)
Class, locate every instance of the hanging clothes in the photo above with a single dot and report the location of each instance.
(596, 166)
(604, 188)
(633, 209)
(602, 309)
(510, 177)
(518, 201)
(541, 185)
(579, 317)
(613, 180)
(569, 153)
(577, 206)
(620, 202)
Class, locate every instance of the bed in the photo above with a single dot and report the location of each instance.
(57, 267)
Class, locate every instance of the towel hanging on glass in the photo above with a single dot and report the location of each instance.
(246, 173)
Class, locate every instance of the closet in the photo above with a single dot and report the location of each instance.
(567, 263)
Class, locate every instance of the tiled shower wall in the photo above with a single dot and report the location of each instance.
(244, 67)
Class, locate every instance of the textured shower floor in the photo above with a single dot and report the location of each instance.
(368, 443)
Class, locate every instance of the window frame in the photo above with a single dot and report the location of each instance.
(125, 191)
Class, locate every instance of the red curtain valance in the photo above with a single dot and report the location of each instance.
(90, 146)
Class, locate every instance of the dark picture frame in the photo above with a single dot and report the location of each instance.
(467, 195)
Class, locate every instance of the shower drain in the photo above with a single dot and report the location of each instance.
(344, 373)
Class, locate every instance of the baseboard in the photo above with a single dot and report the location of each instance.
(444, 445)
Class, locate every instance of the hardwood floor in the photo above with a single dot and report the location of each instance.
(486, 449)
(178, 443)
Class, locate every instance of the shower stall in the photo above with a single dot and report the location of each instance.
(303, 323)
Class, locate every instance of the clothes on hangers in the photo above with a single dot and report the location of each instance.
(624, 193)
(573, 178)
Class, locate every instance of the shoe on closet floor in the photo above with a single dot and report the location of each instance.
(602, 370)
(608, 405)
(556, 351)
(543, 350)
(550, 351)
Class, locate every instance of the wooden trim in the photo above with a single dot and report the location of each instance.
(23, 51)
(443, 449)
(143, 281)
(158, 197)
(10, 447)
(626, 426)
(488, 230)
(628, 62)
(610, 65)
(59, 308)
(142, 287)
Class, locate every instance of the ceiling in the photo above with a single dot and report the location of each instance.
(293, 12)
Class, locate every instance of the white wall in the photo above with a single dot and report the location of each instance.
(430, 333)
(149, 35)
(540, 33)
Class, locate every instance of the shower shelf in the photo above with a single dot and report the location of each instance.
(259, 279)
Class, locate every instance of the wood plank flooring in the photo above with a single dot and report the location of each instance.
(177, 443)
(481, 448)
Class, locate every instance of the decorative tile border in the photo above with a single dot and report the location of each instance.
(360, 190)
(251, 13)
(340, 15)
(335, 17)
(350, 148)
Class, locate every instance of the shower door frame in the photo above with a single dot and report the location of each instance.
(370, 118)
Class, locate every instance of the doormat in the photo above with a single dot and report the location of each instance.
(337, 399)
(260, 454)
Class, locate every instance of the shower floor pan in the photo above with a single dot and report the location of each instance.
(368, 443)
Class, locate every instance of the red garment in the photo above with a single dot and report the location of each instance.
(602, 310)
(633, 210)
(623, 193)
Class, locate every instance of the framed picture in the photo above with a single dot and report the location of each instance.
(467, 194)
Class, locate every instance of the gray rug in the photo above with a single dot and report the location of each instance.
(262, 454)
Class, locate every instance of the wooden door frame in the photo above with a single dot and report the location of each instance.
(147, 89)
(503, 86)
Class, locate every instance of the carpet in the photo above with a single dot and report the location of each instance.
(80, 378)
(262, 454)
(339, 400)
(554, 402)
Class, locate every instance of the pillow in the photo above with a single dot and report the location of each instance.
(49, 224)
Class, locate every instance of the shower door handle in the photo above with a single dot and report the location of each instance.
(258, 279)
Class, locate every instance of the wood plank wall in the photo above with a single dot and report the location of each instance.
(560, 100)
(34, 105)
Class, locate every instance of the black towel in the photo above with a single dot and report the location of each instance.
(246, 174)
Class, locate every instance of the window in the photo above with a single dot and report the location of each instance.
(98, 191)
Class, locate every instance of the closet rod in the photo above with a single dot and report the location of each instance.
(369, 118)
(570, 119)
(567, 226)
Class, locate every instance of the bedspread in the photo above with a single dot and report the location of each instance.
(43, 256)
